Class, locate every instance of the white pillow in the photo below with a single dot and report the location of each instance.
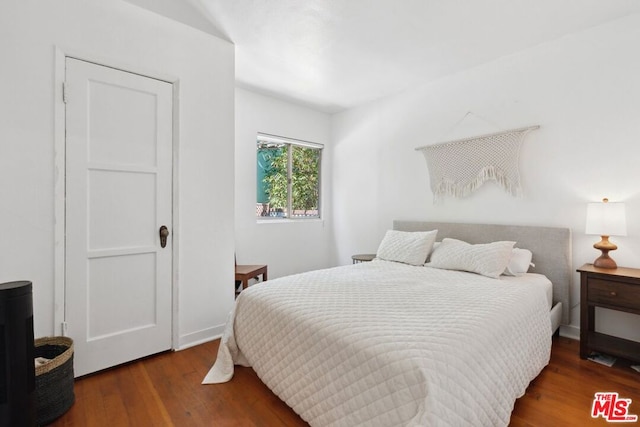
(519, 262)
(489, 259)
(409, 247)
(435, 245)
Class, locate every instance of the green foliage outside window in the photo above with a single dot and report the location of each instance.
(275, 178)
(305, 176)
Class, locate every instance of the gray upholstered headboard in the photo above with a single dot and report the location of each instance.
(551, 248)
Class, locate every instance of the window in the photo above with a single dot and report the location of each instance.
(288, 178)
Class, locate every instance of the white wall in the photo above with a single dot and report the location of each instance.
(287, 247)
(190, 12)
(117, 33)
(584, 92)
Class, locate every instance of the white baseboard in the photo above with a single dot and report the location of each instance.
(570, 331)
(200, 337)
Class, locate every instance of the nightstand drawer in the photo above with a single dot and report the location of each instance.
(613, 293)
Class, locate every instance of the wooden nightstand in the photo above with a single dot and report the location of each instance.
(615, 289)
(362, 258)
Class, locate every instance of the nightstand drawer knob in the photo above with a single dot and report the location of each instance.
(613, 294)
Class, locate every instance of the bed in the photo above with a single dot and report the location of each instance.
(388, 343)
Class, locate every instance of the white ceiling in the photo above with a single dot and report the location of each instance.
(337, 54)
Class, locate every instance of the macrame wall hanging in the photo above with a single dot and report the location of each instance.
(458, 168)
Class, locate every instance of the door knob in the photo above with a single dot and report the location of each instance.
(164, 232)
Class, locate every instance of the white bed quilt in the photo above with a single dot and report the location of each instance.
(387, 344)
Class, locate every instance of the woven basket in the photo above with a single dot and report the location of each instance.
(54, 379)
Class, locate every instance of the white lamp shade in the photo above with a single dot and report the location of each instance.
(606, 219)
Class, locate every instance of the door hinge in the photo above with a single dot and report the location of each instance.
(64, 92)
(64, 329)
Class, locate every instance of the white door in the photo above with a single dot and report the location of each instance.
(118, 195)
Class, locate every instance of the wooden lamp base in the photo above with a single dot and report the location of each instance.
(604, 260)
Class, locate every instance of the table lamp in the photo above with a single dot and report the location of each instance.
(606, 219)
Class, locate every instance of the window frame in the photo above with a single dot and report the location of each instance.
(290, 142)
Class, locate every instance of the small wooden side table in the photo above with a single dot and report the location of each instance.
(358, 258)
(246, 272)
(615, 289)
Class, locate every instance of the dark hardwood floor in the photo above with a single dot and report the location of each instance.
(165, 390)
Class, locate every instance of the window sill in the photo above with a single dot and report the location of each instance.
(289, 221)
